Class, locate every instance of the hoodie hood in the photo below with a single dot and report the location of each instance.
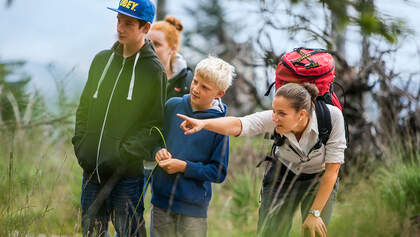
(178, 65)
(218, 109)
(146, 51)
(179, 84)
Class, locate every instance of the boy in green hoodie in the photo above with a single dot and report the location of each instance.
(123, 98)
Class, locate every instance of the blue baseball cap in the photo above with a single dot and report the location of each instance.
(139, 9)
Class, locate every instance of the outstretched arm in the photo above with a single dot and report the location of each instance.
(249, 125)
(230, 126)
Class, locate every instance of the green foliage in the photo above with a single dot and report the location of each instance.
(16, 89)
(367, 17)
(381, 203)
(400, 188)
(245, 200)
(37, 187)
(39, 178)
(43, 195)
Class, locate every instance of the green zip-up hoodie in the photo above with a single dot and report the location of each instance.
(118, 107)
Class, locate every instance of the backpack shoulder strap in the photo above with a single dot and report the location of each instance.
(267, 93)
(278, 141)
(323, 118)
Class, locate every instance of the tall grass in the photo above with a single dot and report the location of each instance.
(43, 192)
(38, 182)
(382, 203)
(39, 178)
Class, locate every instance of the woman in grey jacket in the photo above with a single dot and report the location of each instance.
(301, 172)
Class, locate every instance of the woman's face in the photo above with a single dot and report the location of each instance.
(163, 51)
(284, 116)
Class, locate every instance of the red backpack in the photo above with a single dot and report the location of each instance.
(308, 65)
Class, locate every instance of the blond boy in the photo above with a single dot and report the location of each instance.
(182, 182)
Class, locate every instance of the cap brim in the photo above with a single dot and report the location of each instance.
(127, 14)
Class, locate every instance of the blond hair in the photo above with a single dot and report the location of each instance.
(215, 70)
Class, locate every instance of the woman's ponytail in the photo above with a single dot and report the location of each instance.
(175, 22)
(312, 89)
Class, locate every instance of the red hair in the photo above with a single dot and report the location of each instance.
(172, 28)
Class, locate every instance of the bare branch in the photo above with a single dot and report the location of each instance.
(40, 123)
(15, 108)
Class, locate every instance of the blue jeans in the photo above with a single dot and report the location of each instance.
(120, 207)
(147, 173)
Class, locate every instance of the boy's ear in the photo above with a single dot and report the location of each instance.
(220, 94)
(146, 27)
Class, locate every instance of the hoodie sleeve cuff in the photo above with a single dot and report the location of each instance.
(192, 169)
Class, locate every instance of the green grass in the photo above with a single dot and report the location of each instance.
(43, 192)
(39, 184)
(381, 204)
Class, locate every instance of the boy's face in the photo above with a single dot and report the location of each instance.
(129, 31)
(203, 93)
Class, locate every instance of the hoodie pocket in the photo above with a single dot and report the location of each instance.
(109, 156)
(85, 151)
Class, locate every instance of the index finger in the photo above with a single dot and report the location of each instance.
(184, 117)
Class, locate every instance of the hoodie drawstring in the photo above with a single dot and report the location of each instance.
(133, 75)
(105, 118)
(103, 75)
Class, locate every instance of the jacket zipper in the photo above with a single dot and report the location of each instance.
(105, 118)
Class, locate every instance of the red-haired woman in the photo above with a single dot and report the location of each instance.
(166, 36)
